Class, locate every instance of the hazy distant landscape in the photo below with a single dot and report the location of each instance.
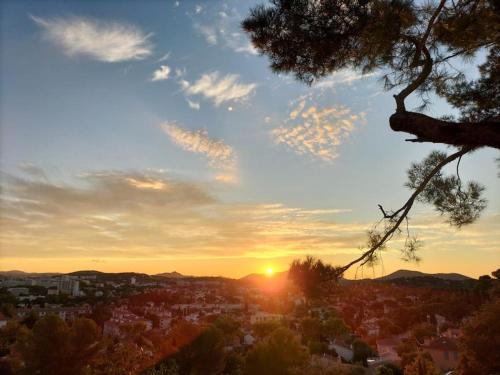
(250, 187)
(172, 323)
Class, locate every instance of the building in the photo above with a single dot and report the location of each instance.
(3, 320)
(17, 291)
(262, 317)
(68, 285)
(65, 313)
(386, 349)
(444, 352)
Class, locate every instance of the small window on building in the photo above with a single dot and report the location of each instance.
(446, 356)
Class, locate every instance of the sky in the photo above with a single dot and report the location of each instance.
(152, 137)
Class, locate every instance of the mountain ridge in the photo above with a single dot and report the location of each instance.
(399, 274)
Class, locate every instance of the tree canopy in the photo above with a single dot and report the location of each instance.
(415, 46)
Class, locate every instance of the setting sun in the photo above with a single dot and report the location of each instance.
(269, 271)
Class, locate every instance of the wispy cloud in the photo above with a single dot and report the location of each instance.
(209, 32)
(161, 73)
(218, 154)
(193, 105)
(100, 40)
(222, 26)
(219, 88)
(143, 214)
(310, 130)
(33, 170)
(342, 77)
(137, 214)
(164, 57)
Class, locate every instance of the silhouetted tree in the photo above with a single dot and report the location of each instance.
(53, 347)
(264, 329)
(310, 276)
(414, 44)
(388, 369)
(422, 365)
(335, 327)
(204, 355)
(479, 345)
(279, 354)
(362, 351)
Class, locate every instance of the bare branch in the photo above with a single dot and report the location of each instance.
(364, 258)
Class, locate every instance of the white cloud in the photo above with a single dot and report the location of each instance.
(161, 74)
(218, 88)
(164, 57)
(223, 27)
(218, 154)
(208, 32)
(193, 105)
(317, 132)
(342, 77)
(100, 40)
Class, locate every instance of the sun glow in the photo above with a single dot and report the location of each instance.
(269, 271)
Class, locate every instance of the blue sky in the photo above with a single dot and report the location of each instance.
(274, 169)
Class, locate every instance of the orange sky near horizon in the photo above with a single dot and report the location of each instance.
(467, 264)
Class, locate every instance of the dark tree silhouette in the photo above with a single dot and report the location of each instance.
(479, 353)
(310, 275)
(415, 44)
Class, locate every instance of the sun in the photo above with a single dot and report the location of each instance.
(269, 271)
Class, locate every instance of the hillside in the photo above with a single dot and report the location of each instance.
(171, 275)
(400, 274)
(17, 273)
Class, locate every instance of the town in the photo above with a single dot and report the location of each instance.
(148, 324)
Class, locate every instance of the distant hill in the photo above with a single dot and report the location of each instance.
(17, 273)
(171, 275)
(407, 274)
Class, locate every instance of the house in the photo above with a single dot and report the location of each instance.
(65, 313)
(3, 320)
(386, 349)
(261, 317)
(444, 352)
(18, 291)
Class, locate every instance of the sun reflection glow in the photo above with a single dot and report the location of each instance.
(269, 271)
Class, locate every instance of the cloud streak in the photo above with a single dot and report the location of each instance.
(341, 77)
(96, 39)
(222, 27)
(119, 215)
(218, 154)
(138, 214)
(219, 89)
